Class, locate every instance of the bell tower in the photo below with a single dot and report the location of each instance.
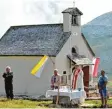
(71, 18)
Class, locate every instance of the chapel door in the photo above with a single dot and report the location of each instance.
(86, 79)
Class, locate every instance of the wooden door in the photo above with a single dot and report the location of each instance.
(86, 79)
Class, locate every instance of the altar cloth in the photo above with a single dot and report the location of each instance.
(73, 94)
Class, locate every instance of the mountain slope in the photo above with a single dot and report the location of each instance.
(98, 32)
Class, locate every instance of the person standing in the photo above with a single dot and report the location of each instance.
(55, 79)
(8, 79)
(102, 83)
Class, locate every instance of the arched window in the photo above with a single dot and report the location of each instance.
(73, 50)
(74, 20)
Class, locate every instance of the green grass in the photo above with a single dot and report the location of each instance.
(97, 103)
(4, 103)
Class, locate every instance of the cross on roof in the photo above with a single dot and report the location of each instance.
(74, 3)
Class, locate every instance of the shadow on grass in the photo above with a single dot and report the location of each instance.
(4, 100)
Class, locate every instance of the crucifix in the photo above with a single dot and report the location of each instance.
(74, 3)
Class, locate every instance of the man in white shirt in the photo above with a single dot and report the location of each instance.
(55, 80)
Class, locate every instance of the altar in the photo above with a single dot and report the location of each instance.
(67, 95)
(72, 94)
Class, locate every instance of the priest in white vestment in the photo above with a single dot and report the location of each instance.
(77, 81)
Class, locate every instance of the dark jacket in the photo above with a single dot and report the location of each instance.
(8, 77)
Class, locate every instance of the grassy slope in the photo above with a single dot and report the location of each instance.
(97, 103)
(41, 104)
(23, 104)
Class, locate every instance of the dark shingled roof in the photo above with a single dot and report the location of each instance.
(47, 39)
(73, 11)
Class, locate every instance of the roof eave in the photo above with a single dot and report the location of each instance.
(70, 12)
(25, 55)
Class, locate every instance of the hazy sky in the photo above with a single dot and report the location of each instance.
(21, 12)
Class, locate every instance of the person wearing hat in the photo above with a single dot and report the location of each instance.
(8, 79)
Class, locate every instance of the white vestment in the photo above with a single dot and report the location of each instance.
(80, 83)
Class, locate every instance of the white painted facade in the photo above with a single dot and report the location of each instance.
(76, 39)
(24, 82)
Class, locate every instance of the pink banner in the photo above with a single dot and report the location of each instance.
(95, 68)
